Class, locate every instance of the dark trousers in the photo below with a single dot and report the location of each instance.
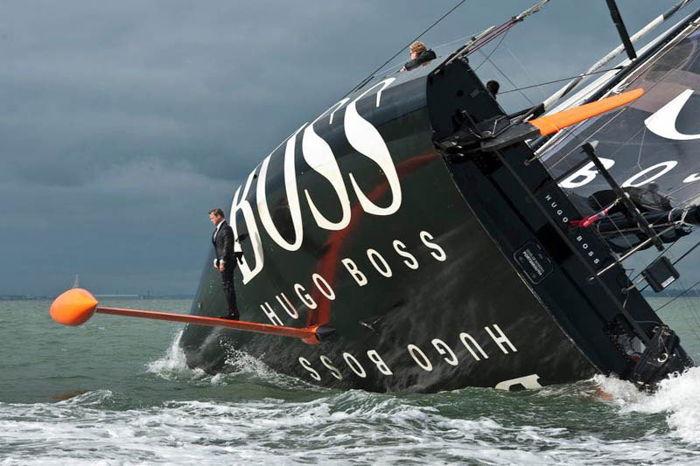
(229, 292)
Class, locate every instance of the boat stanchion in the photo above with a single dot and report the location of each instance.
(75, 306)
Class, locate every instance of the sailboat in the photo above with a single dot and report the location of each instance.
(417, 237)
(435, 242)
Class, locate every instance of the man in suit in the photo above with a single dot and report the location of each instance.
(224, 262)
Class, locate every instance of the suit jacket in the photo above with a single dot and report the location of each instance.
(223, 244)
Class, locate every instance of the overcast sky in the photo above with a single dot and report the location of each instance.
(122, 123)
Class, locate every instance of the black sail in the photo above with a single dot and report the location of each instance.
(653, 142)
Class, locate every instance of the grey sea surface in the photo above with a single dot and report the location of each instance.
(117, 391)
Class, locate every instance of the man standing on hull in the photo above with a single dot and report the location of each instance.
(224, 262)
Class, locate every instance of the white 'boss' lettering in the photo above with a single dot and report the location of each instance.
(364, 138)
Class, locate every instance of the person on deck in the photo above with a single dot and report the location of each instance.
(493, 87)
(419, 54)
(224, 262)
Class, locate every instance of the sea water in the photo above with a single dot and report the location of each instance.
(117, 391)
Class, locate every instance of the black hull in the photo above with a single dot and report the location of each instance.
(455, 271)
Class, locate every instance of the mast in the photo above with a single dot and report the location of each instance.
(621, 29)
(653, 24)
(674, 34)
(600, 87)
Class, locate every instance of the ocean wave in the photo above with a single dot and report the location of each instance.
(336, 428)
(677, 397)
(173, 364)
(238, 367)
(254, 415)
(354, 426)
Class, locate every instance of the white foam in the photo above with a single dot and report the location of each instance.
(91, 398)
(678, 397)
(173, 364)
(242, 363)
(333, 428)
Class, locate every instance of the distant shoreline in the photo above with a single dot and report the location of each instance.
(104, 296)
(668, 293)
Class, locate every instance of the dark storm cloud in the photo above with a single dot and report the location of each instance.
(133, 224)
(121, 123)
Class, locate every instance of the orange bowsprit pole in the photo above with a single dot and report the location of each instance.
(552, 123)
(549, 124)
(74, 307)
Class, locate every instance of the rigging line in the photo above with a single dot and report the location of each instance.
(644, 67)
(686, 253)
(670, 194)
(641, 149)
(689, 311)
(655, 57)
(454, 41)
(573, 136)
(405, 46)
(507, 78)
(488, 57)
(560, 80)
(649, 58)
(621, 234)
(635, 230)
(437, 48)
(683, 256)
(522, 66)
(604, 287)
(668, 248)
(679, 295)
(479, 42)
(600, 207)
(571, 131)
(693, 196)
(693, 312)
(615, 52)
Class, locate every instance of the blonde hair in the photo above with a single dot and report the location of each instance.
(417, 46)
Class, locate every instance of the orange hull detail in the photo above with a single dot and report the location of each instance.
(75, 306)
(306, 333)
